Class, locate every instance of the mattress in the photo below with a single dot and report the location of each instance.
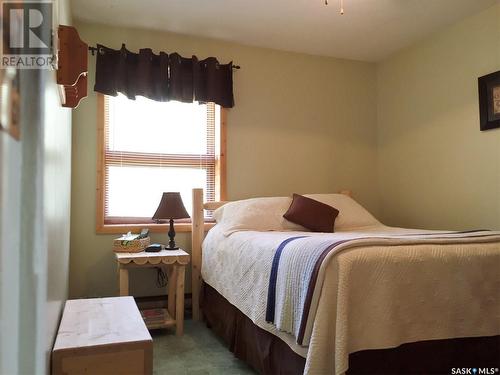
(373, 297)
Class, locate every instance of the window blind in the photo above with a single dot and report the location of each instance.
(151, 147)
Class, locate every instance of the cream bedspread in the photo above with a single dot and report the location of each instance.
(373, 297)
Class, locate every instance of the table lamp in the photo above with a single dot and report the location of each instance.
(171, 207)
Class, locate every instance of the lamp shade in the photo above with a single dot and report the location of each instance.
(171, 207)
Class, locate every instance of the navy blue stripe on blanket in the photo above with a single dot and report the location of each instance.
(271, 292)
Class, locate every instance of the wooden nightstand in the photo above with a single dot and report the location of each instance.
(175, 262)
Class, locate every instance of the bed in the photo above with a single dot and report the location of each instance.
(383, 299)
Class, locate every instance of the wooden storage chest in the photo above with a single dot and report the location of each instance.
(102, 336)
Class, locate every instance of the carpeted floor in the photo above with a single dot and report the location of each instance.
(198, 352)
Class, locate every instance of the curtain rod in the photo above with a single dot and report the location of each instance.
(93, 50)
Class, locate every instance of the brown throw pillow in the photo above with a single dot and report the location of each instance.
(313, 215)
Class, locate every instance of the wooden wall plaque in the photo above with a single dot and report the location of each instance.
(72, 66)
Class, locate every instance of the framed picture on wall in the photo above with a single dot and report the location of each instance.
(9, 102)
(9, 80)
(489, 101)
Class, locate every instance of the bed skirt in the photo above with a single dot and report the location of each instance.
(268, 354)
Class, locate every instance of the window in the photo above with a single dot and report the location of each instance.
(148, 147)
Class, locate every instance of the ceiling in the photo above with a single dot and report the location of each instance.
(369, 30)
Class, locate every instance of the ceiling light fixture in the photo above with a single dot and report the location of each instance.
(341, 6)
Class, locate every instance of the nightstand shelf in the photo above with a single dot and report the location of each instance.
(174, 261)
(160, 319)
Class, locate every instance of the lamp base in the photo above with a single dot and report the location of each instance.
(171, 235)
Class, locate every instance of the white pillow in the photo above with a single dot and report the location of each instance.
(260, 214)
(351, 213)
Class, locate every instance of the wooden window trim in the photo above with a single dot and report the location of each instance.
(185, 225)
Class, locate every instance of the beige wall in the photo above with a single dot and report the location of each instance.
(57, 204)
(402, 134)
(301, 124)
(436, 169)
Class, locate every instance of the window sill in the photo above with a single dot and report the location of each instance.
(153, 228)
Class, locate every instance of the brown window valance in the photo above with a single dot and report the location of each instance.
(163, 77)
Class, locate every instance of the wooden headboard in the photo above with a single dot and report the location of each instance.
(197, 236)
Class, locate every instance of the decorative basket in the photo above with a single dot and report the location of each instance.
(130, 246)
